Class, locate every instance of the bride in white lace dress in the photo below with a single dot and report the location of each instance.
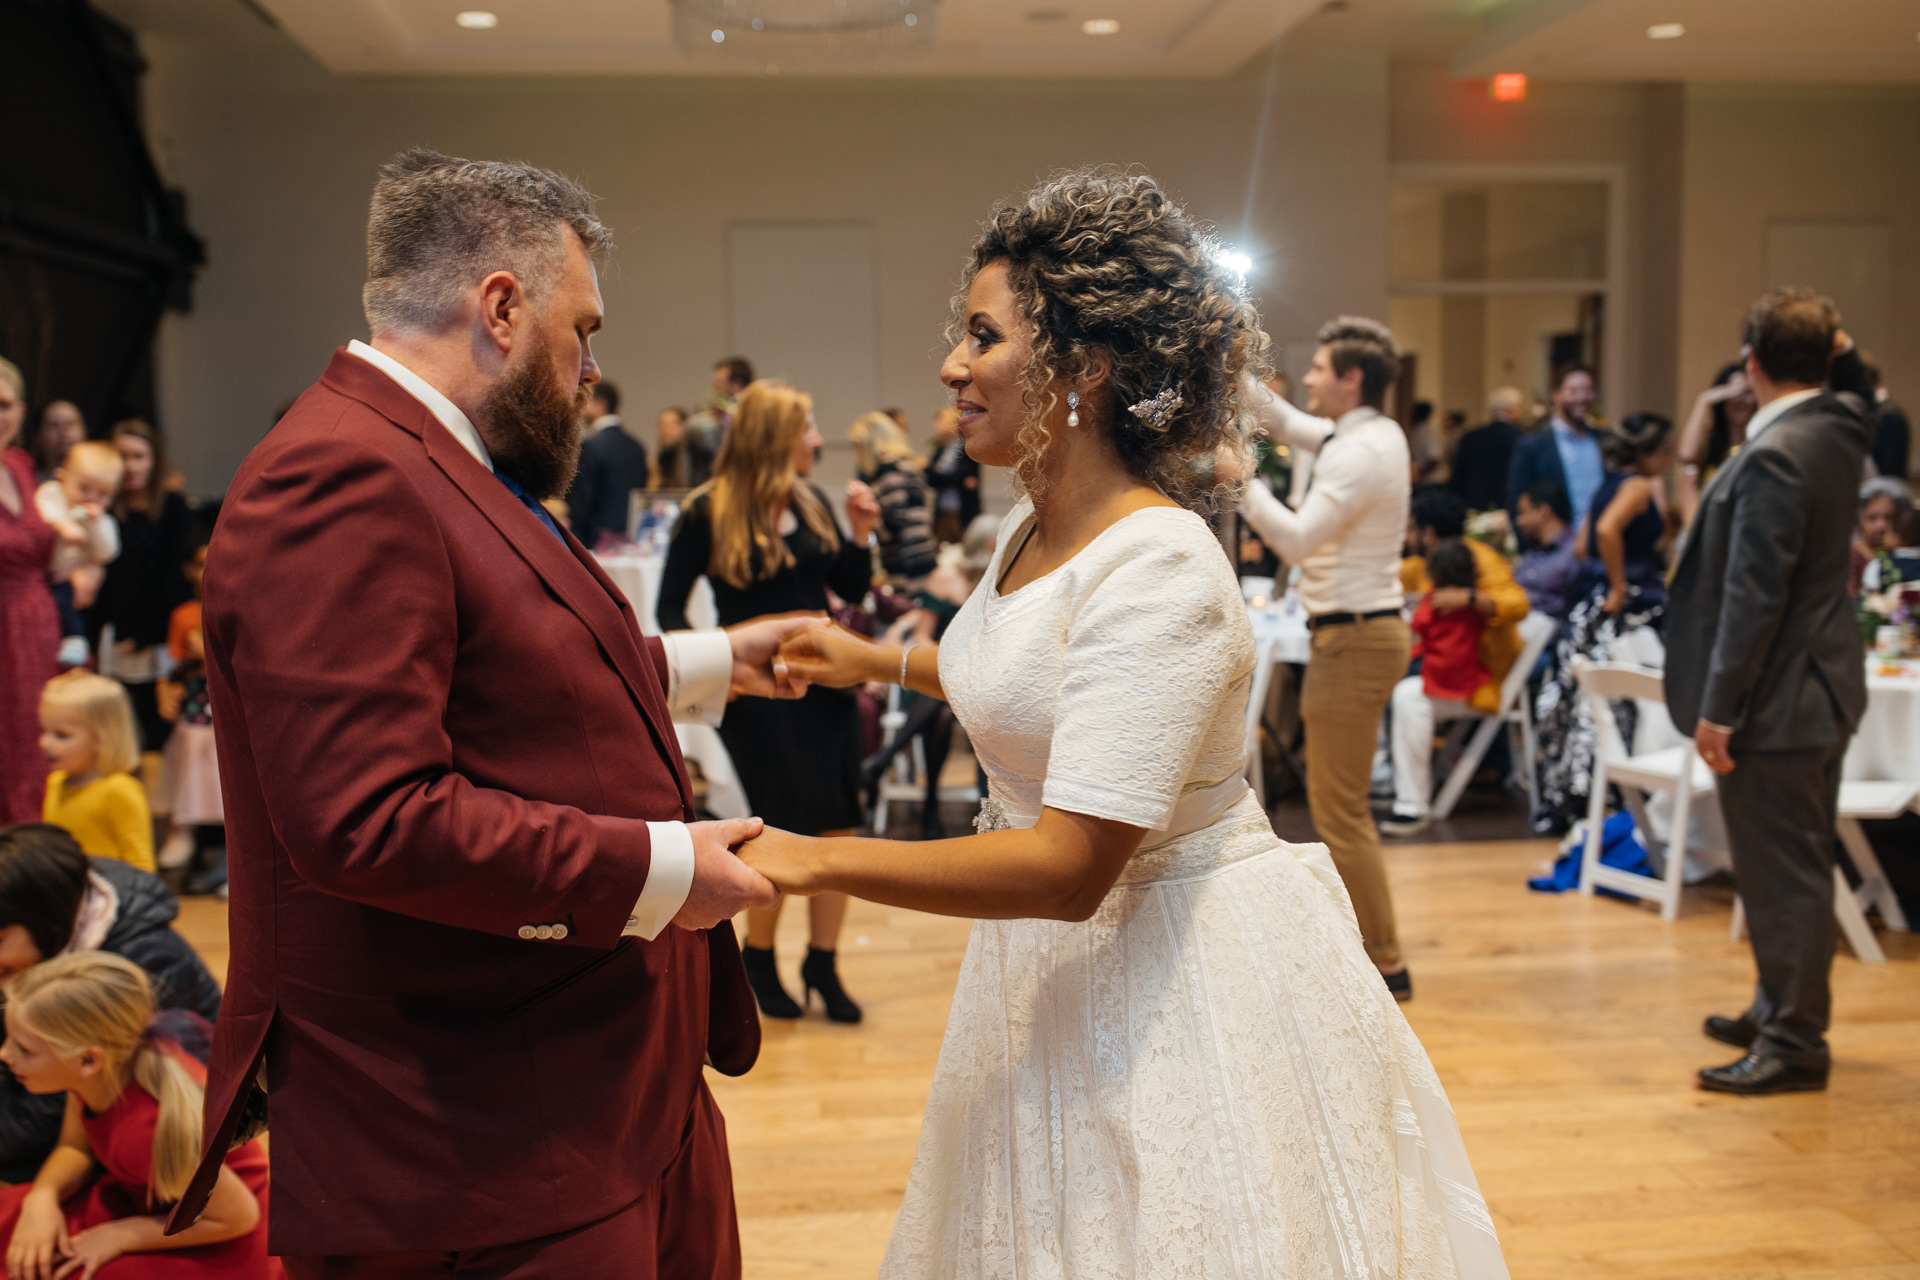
(1168, 1055)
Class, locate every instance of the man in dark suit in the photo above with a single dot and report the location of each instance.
(1565, 450)
(480, 950)
(1764, 669)
(1483, 459)
(612, 465)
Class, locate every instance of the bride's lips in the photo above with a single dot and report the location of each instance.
(970, 413)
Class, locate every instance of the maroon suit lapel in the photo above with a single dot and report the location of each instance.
(566, 568)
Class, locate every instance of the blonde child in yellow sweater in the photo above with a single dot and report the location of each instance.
(88, 737)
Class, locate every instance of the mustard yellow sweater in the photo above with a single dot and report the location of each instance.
(108, 816)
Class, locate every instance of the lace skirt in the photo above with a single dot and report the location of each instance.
(1206, 1079)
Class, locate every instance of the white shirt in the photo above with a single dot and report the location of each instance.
(699, 670)
(1350, 528)
(1773, 410)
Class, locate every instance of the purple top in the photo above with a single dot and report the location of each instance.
(1550, 575)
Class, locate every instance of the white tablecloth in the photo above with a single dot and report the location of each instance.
(638, 578)
(1282, 622)
(1886, 747)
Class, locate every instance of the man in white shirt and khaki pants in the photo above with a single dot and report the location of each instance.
(1347, 536)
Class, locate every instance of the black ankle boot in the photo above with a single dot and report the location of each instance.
(818, 974)
(765, 980)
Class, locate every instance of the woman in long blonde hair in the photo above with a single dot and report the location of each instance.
(765, 539)
(83, 1024)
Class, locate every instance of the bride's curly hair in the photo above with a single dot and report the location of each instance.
(1102, 258)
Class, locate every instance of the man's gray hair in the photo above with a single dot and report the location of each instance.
(439, 225)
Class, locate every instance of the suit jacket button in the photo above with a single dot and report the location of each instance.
(528, 933)
(544, 932)
(559, 932)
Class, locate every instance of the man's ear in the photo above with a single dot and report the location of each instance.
(502, 302)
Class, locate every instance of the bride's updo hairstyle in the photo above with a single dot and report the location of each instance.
(1100, 258)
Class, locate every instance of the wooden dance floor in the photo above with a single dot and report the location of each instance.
(1565, 1029)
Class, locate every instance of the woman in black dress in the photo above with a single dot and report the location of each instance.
(148, 580)
(766, 540)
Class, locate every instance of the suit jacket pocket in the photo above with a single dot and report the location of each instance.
(554, 987)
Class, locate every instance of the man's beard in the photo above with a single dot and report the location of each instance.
(535, 421)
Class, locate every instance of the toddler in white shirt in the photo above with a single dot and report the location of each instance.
(86, 537)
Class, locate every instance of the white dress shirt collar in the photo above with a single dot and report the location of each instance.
(1352, 416)
(1774, 410)
(456, 422)
(605, 420)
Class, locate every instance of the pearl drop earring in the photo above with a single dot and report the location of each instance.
(1073, 408)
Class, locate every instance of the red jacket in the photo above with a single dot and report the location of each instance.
(439, 724)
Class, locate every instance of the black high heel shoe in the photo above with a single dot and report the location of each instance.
(772, 998)
(817, 973)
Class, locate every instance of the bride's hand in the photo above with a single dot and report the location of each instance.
(781, 857)
(830, 655)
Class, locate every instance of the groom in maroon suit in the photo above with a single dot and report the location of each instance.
(480, 948)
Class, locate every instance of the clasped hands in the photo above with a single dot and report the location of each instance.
(781, 657)
(741, 862)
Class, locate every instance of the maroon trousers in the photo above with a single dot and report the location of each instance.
(683, 1229)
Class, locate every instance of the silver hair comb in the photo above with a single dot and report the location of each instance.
(1156, 410)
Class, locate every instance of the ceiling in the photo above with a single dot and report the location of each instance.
(1834, 40)
(1156, 38)
(1838, 40)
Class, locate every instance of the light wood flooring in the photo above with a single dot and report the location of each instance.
(1565, 1030)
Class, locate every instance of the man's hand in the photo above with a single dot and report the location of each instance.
(723, 885)
(1451, 599)
(1711, 740)
(754, 646)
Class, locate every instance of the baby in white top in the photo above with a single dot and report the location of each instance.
(86, 537)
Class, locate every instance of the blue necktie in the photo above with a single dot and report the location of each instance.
(526, 500)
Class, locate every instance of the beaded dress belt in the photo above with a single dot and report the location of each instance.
(1342, 619)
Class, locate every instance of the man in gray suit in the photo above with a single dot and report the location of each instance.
(1765, 669)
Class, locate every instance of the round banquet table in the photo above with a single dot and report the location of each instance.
(638, 577)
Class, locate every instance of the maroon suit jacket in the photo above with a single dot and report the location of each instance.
(437, 723)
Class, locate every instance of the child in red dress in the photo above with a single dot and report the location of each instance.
(80, 1024)
(1448, 644)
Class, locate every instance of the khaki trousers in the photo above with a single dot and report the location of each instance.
(1355, 666)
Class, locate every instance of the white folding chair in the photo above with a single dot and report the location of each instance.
(1515, 713)
(1858, 801)
(1265, 654)
(1676, 771)
(905, 778)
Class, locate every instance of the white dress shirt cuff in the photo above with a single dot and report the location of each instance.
(667, 882)
(699, 673)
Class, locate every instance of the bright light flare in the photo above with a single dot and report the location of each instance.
(477, 20)
(1666, 30)
(1508, 86)
(1100, 27)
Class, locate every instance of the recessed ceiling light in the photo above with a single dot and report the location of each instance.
(478, 20)
(719, 36)
(1666, 30)
(912, 20)
(1100, 27)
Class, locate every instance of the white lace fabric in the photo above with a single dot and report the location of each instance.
(1208, 1078)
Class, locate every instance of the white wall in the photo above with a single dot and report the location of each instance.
(1764, 155)
(277, 158)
